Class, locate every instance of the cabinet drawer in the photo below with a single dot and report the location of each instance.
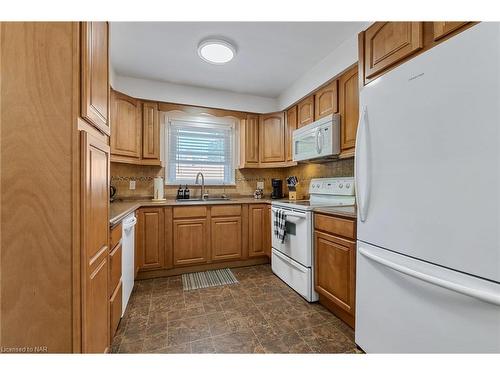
(335, 225)
(115, 267)
(226, 210)
(115, 309)
(115, 235)
(196, 211)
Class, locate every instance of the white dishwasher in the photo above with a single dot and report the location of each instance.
(128, 251)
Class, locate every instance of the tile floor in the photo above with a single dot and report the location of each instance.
(260, 314)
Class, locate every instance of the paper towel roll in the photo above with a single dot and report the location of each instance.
(158, 188)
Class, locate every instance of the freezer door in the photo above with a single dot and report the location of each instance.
(428, 155)
(408, 306)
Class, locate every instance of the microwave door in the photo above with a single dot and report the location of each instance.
(306, 145)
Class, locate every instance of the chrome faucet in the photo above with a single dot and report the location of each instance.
(202, 192)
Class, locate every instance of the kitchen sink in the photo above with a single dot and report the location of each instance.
(199, 200)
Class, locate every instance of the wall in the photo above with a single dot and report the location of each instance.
(332, 65)
(246, 179)
(183, 94)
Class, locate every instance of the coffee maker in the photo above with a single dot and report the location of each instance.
(277, 185)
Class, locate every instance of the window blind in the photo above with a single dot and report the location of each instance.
(200, 147)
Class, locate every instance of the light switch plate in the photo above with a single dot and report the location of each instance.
(260, 185)
(132, 185)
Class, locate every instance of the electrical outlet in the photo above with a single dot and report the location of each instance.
(260, 185)
(132, 185)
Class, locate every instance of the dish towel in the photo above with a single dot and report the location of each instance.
(280, 225)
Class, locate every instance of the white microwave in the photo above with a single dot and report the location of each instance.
(319, 140)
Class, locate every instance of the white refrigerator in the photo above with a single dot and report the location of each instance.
(428, 191)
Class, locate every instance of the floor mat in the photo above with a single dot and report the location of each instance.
(206, 279)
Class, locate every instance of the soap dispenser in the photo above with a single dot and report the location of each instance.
(180, 193)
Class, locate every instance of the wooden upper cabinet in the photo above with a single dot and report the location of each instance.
(249, 142)
(291, 125)
(95, 244)
(95, 74)
(349, 111)
(443, 28)
(151, 238)
(305, 111)
(150, 131)
(387, 43)
(326, 100)
(125, 126)
(272, 137)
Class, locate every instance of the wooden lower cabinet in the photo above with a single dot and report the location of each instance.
(95, 244)
(257, 238)
(335, 271)
(196, 235)
(115, 309)
(226, 238)
(268, 231)
(190, 241)
(150, 238)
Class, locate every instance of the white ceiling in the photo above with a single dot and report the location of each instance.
(270, 57)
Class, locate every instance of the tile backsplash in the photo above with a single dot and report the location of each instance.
(246, 179)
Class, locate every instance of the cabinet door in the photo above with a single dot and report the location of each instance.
(387, 43)
(272, 138)
(150, 131)
(95, 74)
(291, 125)
(326, 100)
(267, 231)
(226, 238)
(257, 230)
(95, 244)
(335, 274)
(250, 142)
(190, 241)
(151, 238)
(125, 126)
(349, 111)
(115, 309)
(305, 111)
(443, 28)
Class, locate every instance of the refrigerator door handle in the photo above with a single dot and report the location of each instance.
(361, 170)
(455, 287)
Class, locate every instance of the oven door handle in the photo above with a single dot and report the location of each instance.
(292, 213)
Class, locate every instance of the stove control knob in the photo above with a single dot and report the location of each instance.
(348, 186)
(341, 186)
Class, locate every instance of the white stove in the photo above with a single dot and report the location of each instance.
(292, 260)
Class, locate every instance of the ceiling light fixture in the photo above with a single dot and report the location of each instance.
(216, 51)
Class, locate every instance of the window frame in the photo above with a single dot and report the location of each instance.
(203, 119)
